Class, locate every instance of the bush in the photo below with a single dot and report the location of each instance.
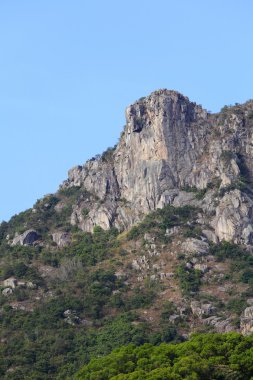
(161, 219)
(189, 279)
(228, 250)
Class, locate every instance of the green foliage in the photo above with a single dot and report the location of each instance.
(161, 219)
(168, 309)
(247, 276)
(92, 248)
(250, 115)
(241, 183)
(3, 229)
(227, 250)
(43, 217)
(21, 271)
(225, 108)
(107, 155)
(71, 192)
(85, 212)
(236, 305)
(44, 344)
(140, 298)
(189, 279)
(193, 232)
(206, 356)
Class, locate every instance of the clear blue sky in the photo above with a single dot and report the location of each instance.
(69, 68)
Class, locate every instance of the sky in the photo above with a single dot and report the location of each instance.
(68, 69)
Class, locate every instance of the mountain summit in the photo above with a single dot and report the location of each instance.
(170, 149)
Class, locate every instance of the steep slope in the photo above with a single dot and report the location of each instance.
(170, 145)
(148, 242)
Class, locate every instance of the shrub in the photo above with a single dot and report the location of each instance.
(226, 250)
(161, 219)
(189, 279)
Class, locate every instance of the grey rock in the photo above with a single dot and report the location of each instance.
(120, 274)
(220, 325)
(31, 285)
(149, 238)
(211, 236)
(10, 282)
(246, 326)
(61, 238)
(7, 292)
(70, 317)
(184, 199)
(142, 169)
(233, 220)
(194, 246)
(172, 231)
(21, 283)
(173, 318)
(246, 321)
(29, 237)
(200, 309)
(248, 312)
(170, 144)
(202, 267)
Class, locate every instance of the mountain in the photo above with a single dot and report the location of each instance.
(148, 242)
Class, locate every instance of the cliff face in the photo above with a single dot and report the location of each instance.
(170, 149)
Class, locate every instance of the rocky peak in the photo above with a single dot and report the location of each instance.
(169, 147)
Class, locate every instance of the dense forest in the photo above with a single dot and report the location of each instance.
(206, 356)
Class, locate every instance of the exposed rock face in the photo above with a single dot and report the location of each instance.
(170, 144)
(158, 148)
(61, 238)
(201, 309)
(195, 246)
(247, 321)
(220, 325)
(233, 221)
(27, 238)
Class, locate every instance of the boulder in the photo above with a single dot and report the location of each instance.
(70, 317)
(248, 312)
(31, 285)
(195, 246)
(202, 267)
(246, 326)
(7, 292)
(10, 282)
(61, 238)
(220, 325)
(200, 309)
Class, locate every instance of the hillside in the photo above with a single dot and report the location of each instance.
(147, 243)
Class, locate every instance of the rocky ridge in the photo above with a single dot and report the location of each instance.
(170, 147)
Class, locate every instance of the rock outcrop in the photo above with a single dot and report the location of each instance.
(61, 238)
(247, 321)
(29, 237)
(234, 218)
(170, 151)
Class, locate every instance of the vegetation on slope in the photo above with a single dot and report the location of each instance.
(87, 299)
(206, 356)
